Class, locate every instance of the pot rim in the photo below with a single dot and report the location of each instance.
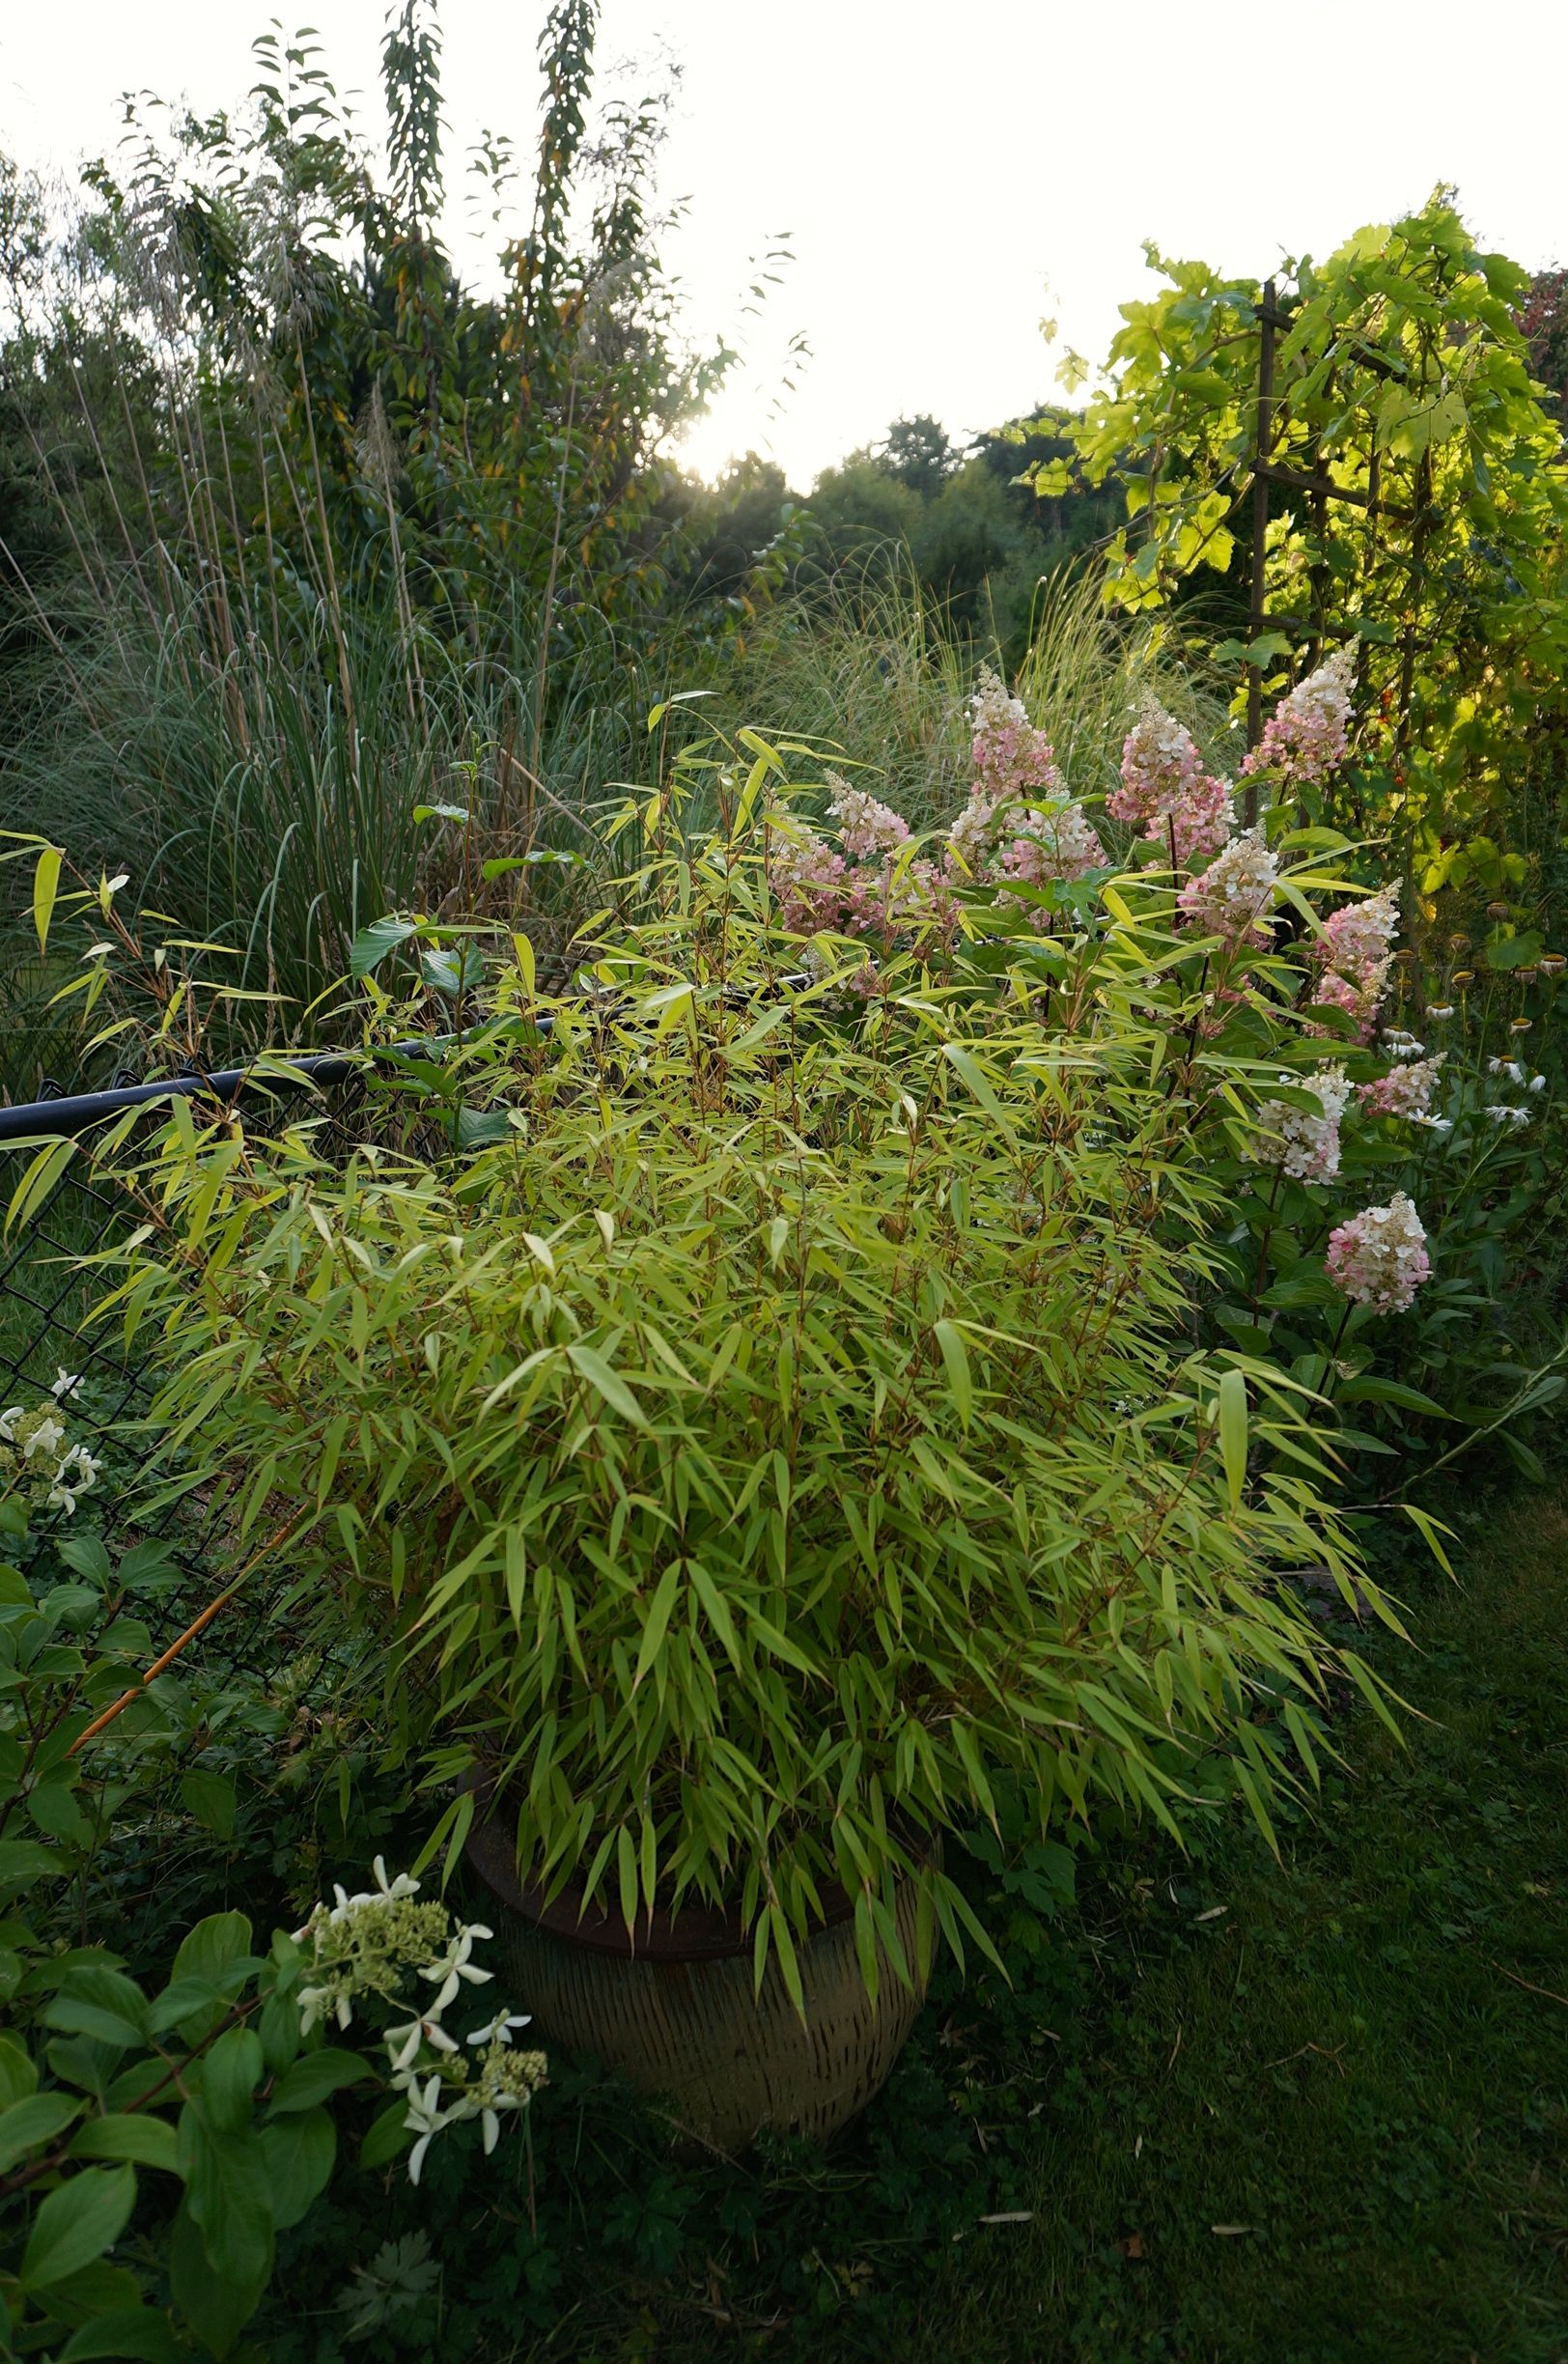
(697, 1932)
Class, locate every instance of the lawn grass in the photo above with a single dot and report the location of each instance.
(1347, 2060)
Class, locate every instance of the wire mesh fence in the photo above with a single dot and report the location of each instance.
(55, 1261)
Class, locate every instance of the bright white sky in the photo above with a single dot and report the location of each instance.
(940, 167)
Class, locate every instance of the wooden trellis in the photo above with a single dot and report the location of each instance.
(1320, 488)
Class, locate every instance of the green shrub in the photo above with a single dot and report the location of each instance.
(782, 1424)
(203, 2102)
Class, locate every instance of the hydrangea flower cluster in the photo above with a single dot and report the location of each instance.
(867, 831)
(1352, 956)
(1011, 757)
(1405, 1090)
(37, 1460)
(1060, 843)
(851, 889)
(1165, 788)
(1231, 896)
(1304, 1145)
(1379, 1257)
(1307, 734)
(366, 1946)
(1019, 820)
(806, 876)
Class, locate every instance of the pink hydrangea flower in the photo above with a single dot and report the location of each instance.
(1061, 844)
(1019, 818)
(1359, 1001)
(1405, 1092)
(857, 886)
(972, 833)
(865, 828)
(1356, 937)
(1307, 735)
(1011, 757)
(807, 878)
(1380, 1257)
(1199, 824)
(1160, 763)
(1165, 787)
(1352, 956)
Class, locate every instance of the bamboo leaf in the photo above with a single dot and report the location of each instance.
(46, 888)
(968, 1069)
(955, 1359)
(658, 1619)
(1233, 1433)
(591, 1366)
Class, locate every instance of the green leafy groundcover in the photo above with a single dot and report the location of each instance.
(1222, 2114)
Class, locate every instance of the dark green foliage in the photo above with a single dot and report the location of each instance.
(919, 454)
(1543, 320)
(977, 536)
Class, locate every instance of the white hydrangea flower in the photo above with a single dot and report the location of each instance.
(1310, 1143)
(1231, 896)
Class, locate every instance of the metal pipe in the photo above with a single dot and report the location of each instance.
(72, 1113)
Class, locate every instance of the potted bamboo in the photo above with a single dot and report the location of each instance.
(774, 1426)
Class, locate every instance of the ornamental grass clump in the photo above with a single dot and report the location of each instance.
(780, 1426)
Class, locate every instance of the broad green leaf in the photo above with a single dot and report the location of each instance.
(25, 1860)
(218, 2304)
(314, 2076)
(389, 2136)
(104, 2004)
(88, 1556)
(37, 2119)
(53, 1803)
(373, 943)
(232, 2068)
(210, 1799)
(542, 855)
(210, 1951)
(133, 2332)
(229, 2195)
(19, 2072)
(299, 2152)
(148, 2142)
(78, 2223)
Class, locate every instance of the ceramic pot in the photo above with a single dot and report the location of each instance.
(675, 2015)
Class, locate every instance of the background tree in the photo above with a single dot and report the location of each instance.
(918, 453)
(300, 519)
(1543, 323)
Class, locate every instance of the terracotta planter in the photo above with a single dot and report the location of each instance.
(676, 2016)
